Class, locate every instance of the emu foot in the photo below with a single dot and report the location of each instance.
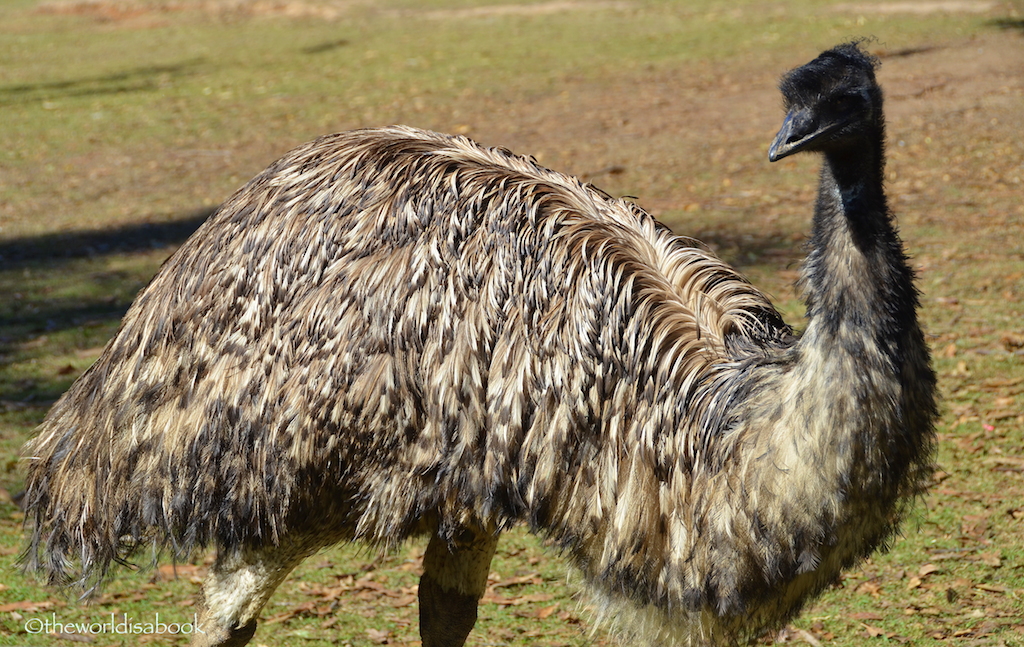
(217, 636)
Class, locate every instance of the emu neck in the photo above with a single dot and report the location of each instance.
(858, 285)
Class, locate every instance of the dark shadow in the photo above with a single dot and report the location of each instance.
(87, 299)
(1007, 23)
(102, 295)
(909, 51)
(741, 250)
(51, 315)
(46, 248)
(143, 79)
(741, 247)
(95, 322)
(325, 47)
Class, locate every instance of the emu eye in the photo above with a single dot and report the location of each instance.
(841, 103)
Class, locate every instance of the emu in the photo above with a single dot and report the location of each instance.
(393, 332)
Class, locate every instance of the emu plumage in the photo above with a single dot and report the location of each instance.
(394, 332)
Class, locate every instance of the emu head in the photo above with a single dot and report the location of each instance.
(832, 103)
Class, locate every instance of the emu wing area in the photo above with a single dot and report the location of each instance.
(383, 326)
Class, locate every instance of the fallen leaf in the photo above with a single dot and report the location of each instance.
(1012, 342)
(1006, 463)
(378, 636)
(974, 525)
(25, 605)
(532, 578)
(537, 597)
(126, 596)
(928, 569)
(872, 631)
(971, 443)
(869, 588)
(939, 476)
(515, 601)
(808, 638)
(368, 585)
(293, 612)
(179, 571)
(866, 615)
(1003, 381)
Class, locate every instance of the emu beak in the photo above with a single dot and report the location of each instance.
(799, 129)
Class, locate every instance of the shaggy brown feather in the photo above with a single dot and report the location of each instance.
(404, 283)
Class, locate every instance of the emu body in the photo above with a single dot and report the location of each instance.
(393, 332)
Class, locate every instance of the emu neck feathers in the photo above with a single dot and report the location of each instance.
(857, 283)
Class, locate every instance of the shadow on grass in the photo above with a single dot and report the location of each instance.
(53, 248)
(1007, 23)
(910, 51)
(38, 269)
(143, 79)
(325, 47)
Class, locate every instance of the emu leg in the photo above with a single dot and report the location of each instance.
(454, 579)
(238, 585)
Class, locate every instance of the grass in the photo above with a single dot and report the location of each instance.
(125, 122)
